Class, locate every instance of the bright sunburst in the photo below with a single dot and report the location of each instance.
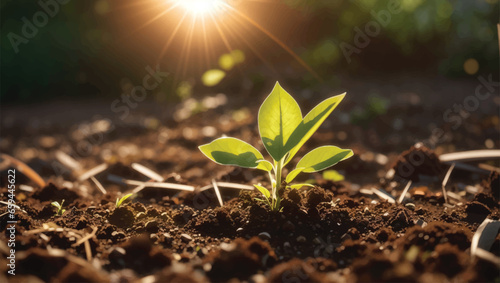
(198, 14)
(199, 7)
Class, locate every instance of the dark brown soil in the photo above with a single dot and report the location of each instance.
(334, 232)
(320, 235)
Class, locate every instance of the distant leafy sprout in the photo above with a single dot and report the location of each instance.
(283, 131)
(60, 210)
(119, 201)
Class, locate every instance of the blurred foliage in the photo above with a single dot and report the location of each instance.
(374, 106)
(56, 60)
(333, 175)
(227, 61)
(213, 77)
(452, 31)
(87, 48)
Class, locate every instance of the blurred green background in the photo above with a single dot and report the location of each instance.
(92, 48)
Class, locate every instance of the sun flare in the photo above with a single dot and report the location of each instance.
(200, 7)
(210, 20)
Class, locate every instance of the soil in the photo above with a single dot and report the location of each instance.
(338, 231)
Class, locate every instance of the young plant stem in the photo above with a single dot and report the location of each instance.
(276, 189)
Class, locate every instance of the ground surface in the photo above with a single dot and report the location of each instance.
(336, 232)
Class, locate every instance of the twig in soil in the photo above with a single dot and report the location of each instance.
(26, 188)
(402, 196)
(70, 232)
(228, 185)
(88, 251)
(44, 237)
(454, 196)
(217, 192)
(49, 229)
(470, 168)
(138, 189)
(445, 181)
(62, 254)
(483, 239)
(92, 172)
(486, 255)
(68, 161)
(472, 155)
(215, 186)
(14, 205)
(120, 180)
(489, 167)
(25, 169)
(160, 185)
(383, 195)
(85, 241)
(147, 172)
(99, 185)
(86, 238)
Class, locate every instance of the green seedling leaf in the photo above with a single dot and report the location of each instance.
(332, 175)
(278, 118)
(59, 207)
(311, 123)
(265, 165)
(232, 151)
(263, 190)
(298, 186)
(212, 77)
(120, 201)
(311, 181)
(322, 158)
(319, 159)
(283, 132)
(293, 174)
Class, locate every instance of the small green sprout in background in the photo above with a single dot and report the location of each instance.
(332, 175)
(283, 131)
(119, 201)
(60, 210)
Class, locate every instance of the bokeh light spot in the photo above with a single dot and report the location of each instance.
(471, 66)
(213, 77)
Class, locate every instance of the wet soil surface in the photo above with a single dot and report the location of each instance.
(338, 231)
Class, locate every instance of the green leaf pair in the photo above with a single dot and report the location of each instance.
(120, 201)
(283, 131)
(59, 206)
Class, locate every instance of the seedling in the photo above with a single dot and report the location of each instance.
(283, 131)
(119, 201)
(60, 210)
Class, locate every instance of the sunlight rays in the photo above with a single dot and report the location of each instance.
(205, 13)
(198, 7)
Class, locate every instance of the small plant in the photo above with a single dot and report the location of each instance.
(119, 201)
(283, 132)
(60, 210)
